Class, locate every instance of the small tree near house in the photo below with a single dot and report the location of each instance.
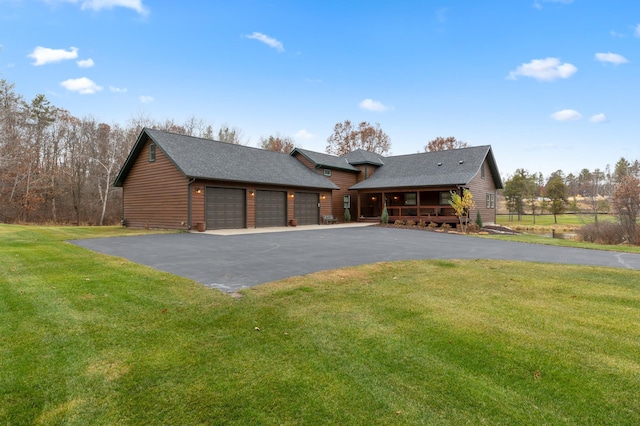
(462, 205)
(385, 215)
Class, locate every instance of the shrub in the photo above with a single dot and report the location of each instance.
(411, 223)
(473, 228)
(347, 215)
(602, 233)
(399, 222)
(385, 215)
(432, 225)
(446, 226)
(422, 224)
(479, 219)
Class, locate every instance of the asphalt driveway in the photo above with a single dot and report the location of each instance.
(233, 262)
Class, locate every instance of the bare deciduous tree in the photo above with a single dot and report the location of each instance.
(626, 202)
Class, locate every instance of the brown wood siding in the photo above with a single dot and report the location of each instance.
(366, 171)
(344, 180)
(301, 158)
(197, 201)
(479, 187)
(155, 195)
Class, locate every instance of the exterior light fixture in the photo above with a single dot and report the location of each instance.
(198, 190)
(252, 193)
(323, 197)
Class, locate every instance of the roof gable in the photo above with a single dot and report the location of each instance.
(361, 156)
(209, 159)
(329, 161)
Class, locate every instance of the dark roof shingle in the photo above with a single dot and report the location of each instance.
(452, 167)
(209, 159)
(325, 160)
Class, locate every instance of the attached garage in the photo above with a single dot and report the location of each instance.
(225, 208)
(271, 208)
(306, 209)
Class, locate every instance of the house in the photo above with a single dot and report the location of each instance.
(181, 182)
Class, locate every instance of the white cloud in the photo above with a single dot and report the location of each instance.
(98, 5)
(271, 42)
(547, 69)
(83, 85)
(637, 31)
(117, 89)
(616, 34)
(44, 55)
(538, 5)
(85, 63)
(612, 58)
(303, 134)
(371, 105)
(566, 115)
(146, 99)
(598, 118)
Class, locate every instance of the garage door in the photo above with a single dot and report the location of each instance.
(306, 208)
(225, 208)
(271, 208)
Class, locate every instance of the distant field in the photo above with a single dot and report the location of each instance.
(566, 220)
(91, 339)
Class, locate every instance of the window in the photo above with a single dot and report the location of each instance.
(327, 172)
(152, 152)
(445, 197)
(410, 199)
(482, 172)
(491, 202)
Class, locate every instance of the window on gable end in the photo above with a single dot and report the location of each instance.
(152, 152)
(327, 172)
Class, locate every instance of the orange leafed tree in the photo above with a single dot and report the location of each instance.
(443, 144)
(347, 138)
(277, 143)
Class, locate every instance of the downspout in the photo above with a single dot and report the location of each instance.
(189, 203)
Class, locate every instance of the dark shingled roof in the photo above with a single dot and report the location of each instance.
(360, 156)
(325, 160)
(208, 159)
(440, 168)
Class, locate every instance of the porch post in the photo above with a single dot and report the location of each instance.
(358, 207)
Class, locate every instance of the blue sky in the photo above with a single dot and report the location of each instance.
(550, 84)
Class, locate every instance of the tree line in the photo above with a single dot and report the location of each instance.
(599, 191)
(58, 168)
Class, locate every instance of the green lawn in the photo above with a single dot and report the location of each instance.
(91, 339)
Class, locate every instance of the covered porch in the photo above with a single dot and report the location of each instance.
(411, 204)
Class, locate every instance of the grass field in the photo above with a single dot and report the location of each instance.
(91, 339)
(568, 221)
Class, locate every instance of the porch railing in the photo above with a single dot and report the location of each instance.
(437, 214)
